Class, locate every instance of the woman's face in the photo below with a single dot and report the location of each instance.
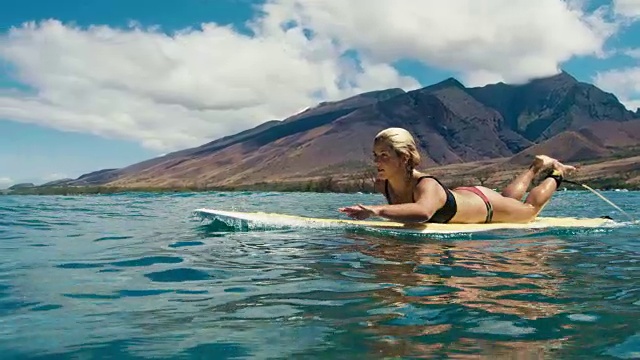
(388, 162)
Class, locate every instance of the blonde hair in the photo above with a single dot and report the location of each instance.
(402, 142)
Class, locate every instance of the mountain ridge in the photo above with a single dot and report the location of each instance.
(452, 124)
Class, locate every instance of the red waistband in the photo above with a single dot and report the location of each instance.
(476, 191)
(484, 198)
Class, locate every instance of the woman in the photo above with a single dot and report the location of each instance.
(416, 197)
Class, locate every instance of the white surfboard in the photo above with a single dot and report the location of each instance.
(262, 220)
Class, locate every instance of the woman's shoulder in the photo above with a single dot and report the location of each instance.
(423, 179)
(418, 176)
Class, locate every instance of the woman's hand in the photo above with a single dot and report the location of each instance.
(360, 212)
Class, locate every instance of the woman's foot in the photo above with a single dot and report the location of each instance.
(562, 168)
(543, 162)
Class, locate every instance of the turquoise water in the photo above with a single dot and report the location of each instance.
(136, 276)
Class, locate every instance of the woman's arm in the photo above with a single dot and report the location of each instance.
(429, 197)
(406, 213)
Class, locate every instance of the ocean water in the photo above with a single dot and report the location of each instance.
(137, 276)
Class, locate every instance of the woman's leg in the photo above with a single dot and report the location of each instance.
(541, 194)
(507, 209)
(519, 186)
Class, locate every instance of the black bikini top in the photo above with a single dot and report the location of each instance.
(445, 213)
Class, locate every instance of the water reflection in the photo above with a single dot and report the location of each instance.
(503, 280)
(451, 297)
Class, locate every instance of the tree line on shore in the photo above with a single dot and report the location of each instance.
(360, 182)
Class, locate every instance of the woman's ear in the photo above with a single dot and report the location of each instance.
(405, 159)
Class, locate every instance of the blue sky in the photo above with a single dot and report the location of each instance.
(93, 84)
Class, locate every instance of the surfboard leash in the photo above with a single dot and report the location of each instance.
(600, 196)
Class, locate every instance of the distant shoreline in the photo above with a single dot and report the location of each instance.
(312, 187)
(608, 174)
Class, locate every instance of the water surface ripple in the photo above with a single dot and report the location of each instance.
(135, 276)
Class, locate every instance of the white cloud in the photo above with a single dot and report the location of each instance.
(5, 182)
(634, 53)
(180, 90)
(55, 176)
(486, 41)
(624, 83)
(630, 8)
(171, 92)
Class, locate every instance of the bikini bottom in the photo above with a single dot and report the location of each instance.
(484, 198)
